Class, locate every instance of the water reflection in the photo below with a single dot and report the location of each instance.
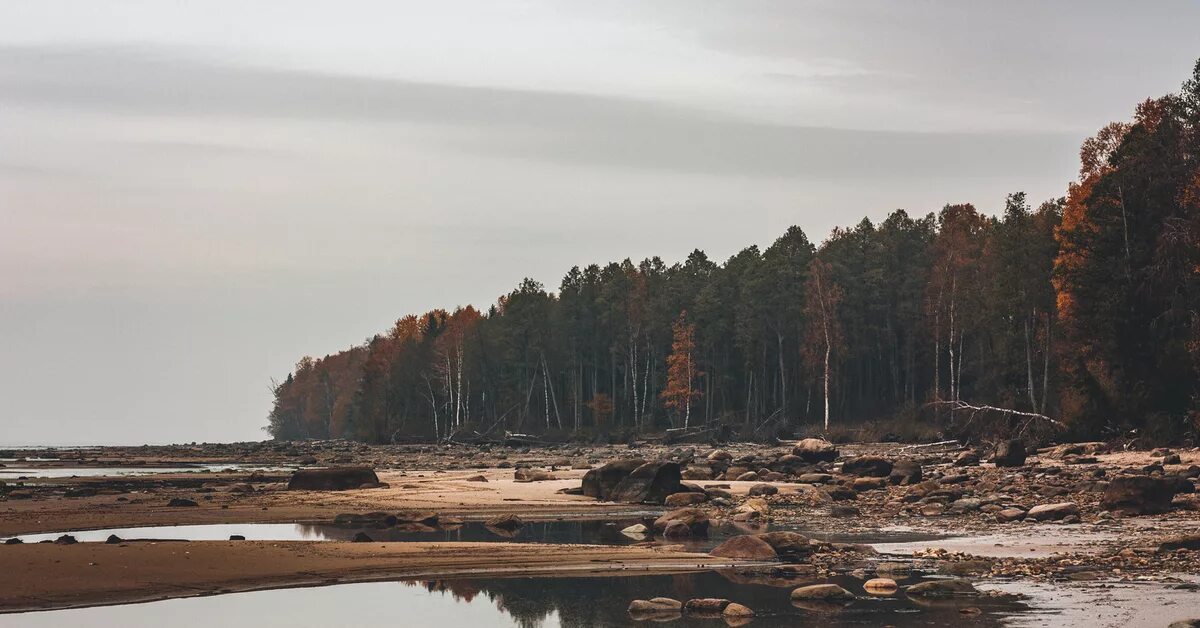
(524, 602)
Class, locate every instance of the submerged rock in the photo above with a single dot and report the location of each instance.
(822, 592)
(880, 586)
(505, 522)
(706, 606)
(947, 587)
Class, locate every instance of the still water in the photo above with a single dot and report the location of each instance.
(524, 602)
(567, 531)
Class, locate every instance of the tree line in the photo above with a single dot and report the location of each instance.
(1083, 308)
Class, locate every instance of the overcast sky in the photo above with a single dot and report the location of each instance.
(193, 195)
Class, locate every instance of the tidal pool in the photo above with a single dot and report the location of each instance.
(524, 602)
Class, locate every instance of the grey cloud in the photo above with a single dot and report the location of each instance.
(582, 129)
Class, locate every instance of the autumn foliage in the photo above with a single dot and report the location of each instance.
(1085, 308)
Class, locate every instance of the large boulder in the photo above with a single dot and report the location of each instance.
(649, 483)
(815, 450)
(331, 479)
(1010, 453)
(745, 547)
(1139, 495)
(600, 482)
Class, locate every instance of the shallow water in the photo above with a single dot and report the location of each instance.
(13, 473)
(525, 602)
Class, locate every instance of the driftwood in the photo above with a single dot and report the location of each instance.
(976, 410)
(924, 445)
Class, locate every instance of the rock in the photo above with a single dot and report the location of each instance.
(477, 478)
(905, 472)
(676, 529)
(649, 483)
(532, 475)
(237, 537)
(13, 541)
(178, 502)
(113, 540)
(1010, 453)
(933, 510)
(763, 489)
(1138, 495)
(679, 500)
(749, 476)
(871, 466)
(965, 505)
(868, 484)
(815, 478)
(362, 537)
(815, 450)
(967, 459)
(839, 493)
(733, 609)
(698, 472)
(720, 455)
(697, 520)
(754, 504)
(1185, 623)
(745, 547)
(790, 546)
(1188, 542)
(655, 605)
(821, 592)
(939, 588)
(880, 586)
(331, 479)
(1009, 515)
(599, 483)
(636, 530)
(505, 522)
(65, 539)
(1172, 459)
(1052, 512)
(706, 606)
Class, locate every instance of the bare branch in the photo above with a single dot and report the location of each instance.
(956, 405)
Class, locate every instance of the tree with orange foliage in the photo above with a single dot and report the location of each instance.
(681, 369)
